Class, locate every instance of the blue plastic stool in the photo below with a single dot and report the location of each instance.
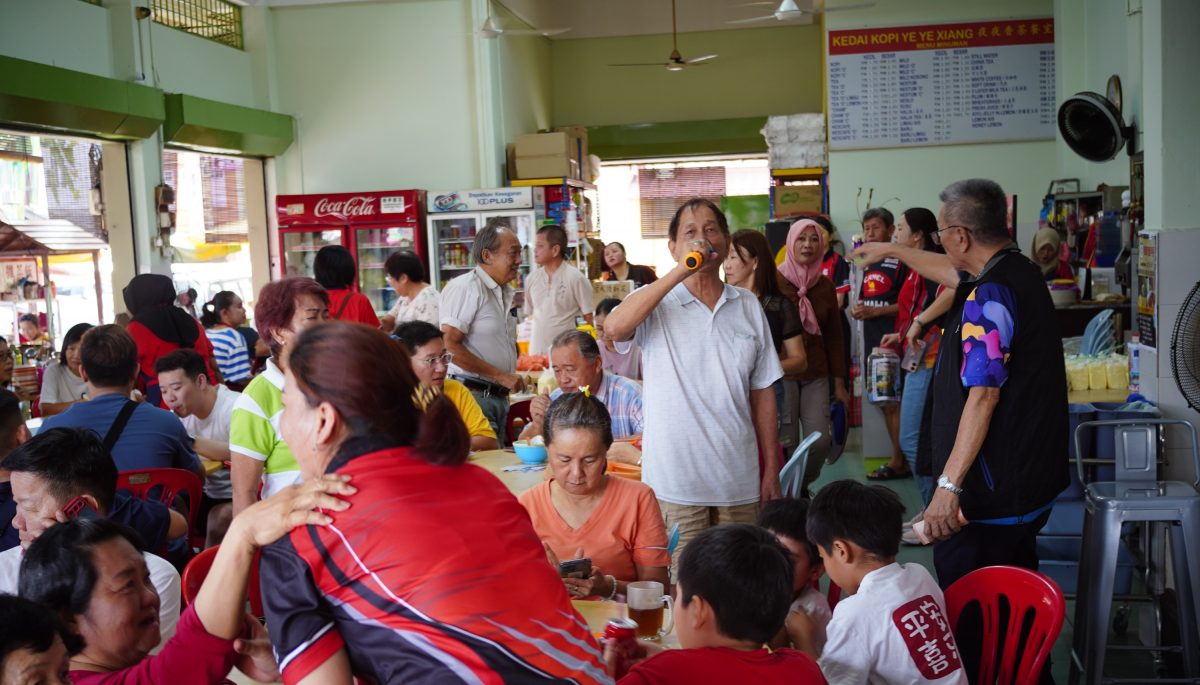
(1136, 496)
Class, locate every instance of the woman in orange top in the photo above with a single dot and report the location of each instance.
(334, 269)
(581, 511)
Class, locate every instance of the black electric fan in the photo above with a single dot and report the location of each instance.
(1185, 348)
(1092, 126)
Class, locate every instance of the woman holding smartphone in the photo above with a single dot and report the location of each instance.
(582, 512)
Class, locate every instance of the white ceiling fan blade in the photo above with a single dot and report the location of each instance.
(643, 64)
(701, 58)
(533, 32)
(753, 20)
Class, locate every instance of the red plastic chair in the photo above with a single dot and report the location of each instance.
(1026, 592)
(166, 485)
(197, 570)
(519, 410)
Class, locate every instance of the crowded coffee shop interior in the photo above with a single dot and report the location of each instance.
(640, 341)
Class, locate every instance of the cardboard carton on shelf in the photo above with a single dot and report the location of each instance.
(546, 166)
(559, 154)
(543, 155)
(793, 200)
(577, 149)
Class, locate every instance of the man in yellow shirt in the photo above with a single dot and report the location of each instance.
(430, 360)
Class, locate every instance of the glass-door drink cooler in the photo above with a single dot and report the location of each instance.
(371, 225)
(454, 217)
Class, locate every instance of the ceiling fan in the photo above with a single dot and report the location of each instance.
(788, 10)
(675, 62)
(491, 29)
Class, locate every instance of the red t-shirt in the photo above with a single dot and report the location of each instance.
(357, 308)
(916, 295)
(722, 665)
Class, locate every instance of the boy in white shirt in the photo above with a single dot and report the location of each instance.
(786, 519)
(892, 627)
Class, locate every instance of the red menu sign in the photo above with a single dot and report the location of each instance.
(398, 206)
(976, 34)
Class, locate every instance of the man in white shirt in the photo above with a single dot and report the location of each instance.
(206, 411)
(480, 331)
(50, 489)
(708, 365)
(556, 293)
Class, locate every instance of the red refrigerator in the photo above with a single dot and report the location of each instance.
(372, 225)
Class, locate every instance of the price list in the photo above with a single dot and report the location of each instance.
(939, 84)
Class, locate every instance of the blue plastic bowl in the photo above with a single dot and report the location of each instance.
(530, 454)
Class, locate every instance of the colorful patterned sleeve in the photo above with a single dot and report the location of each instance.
(988, 325)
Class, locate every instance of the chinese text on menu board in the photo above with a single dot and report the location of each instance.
(972, 82)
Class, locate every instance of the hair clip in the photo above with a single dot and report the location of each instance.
(585, 390)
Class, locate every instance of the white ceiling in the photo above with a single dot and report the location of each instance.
(599, 18)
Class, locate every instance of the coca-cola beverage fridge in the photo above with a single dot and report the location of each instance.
(372, 225)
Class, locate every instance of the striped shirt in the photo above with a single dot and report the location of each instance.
(254, 430)
(434, 575)
(229, 349)
(623, 400)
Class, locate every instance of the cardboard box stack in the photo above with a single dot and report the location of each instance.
(559, 154)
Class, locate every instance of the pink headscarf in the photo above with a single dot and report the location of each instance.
(804, 276)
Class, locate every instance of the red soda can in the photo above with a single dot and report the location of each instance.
(621, 630)
(621, 635)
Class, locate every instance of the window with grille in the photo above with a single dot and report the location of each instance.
(210, 197)
(216, 20)
(50, 177)
(663, 189)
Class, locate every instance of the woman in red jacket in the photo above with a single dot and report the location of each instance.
(159, 327)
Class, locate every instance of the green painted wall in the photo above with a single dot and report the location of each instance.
(760, 72)
(383, 94)
(916, 175)
(200, 67)
(524, 82)
(62, 33)
(1106, 40)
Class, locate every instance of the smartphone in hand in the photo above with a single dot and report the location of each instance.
(78, 508)
(575, 568)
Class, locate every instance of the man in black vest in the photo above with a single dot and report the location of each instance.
(998, 425)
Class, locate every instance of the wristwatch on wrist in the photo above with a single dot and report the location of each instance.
(945, 483)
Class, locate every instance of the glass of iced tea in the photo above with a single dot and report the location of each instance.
(644, 600)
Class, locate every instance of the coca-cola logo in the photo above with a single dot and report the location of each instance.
(360, 205)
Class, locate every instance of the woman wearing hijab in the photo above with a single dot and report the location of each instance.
(816, 300)
(159, 327)
(1047, 246)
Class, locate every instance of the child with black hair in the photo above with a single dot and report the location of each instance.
(892, 627)
(732, 595)
(786, 519)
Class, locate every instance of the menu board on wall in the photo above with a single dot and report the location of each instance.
(973, 82)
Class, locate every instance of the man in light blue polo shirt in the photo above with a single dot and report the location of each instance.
(137, 435)
(709, 363)
(575, 356)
